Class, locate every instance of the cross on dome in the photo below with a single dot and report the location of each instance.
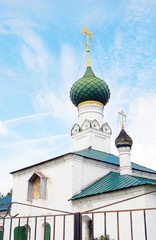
(123, 119)
(87, 32)
(89, 87)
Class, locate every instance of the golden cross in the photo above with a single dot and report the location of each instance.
(123, 118)
(86, 31)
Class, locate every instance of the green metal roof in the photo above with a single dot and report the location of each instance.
(113, 181)
(89, 87)
(109, 158)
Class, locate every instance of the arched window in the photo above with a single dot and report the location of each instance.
(20, 233)
(87, 228)
(1, 232)
(46, 231)
(28, 232)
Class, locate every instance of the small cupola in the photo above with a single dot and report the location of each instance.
(124, 143)
(123, 140)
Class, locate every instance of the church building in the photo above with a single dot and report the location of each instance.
(114, 197)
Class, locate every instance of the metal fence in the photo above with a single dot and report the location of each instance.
(38, 227)
(136, 224)
(129, 224)
(46, 227)
(132, 224)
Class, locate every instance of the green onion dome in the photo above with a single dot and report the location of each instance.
(123, 140)
(88, 88)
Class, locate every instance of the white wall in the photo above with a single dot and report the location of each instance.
(59, 186)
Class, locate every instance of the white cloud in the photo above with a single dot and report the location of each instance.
(49, 139)
(32, 117)
(3, 129)
(141, 119)
(142, 115)
(35, 50)
(57, 99)
(60, 106)
(141, 10)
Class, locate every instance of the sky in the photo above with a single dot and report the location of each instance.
(42, 53)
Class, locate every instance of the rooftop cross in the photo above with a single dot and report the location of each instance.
(86, 31)
(123, 118)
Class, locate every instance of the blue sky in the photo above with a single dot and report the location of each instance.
(42, 53)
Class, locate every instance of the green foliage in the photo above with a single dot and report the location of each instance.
(8, 194)
(106, 237)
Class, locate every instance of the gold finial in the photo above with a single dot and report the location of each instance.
(123, 118)
(86, 31)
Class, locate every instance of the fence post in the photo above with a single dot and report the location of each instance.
(77, 226)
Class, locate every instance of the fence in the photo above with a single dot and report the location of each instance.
(55, 226)
(129, 224)
(119, 225)
(133, 224)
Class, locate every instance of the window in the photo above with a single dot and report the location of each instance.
(87, 227)
(1, 232)
(46, 231)
(20, 233)
(28, 232)
(36, 188)
(37, 185)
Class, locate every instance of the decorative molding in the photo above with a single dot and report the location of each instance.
(90, 102)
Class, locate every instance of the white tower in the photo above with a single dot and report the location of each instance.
(90, 94)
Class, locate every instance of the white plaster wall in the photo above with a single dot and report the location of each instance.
(94, 138)
(66, 176)
(86, 171)
(59, 187)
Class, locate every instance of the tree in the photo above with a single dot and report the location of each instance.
(7, 195)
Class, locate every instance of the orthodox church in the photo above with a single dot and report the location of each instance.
(89, 178)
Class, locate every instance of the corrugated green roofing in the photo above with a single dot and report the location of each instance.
(113, 181)
(5, 202)
(109, 158)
